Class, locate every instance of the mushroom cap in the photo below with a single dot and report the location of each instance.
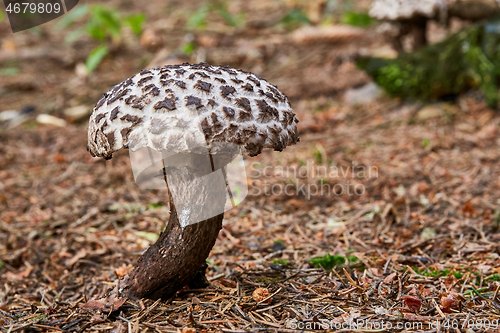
(183, 108)
(395, 10)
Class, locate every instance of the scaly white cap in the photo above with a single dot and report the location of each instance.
(180, 108)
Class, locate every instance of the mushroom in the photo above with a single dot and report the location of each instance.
(473, 10)
(410, 16)
(199, 117)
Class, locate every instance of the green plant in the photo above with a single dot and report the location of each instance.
(294, 19)
(357, 19)
(282, 262)
(328, 262)
(432, 272)
(198, 19)
(465, 60)
(103, 24)
(426, 142)
(9, 71)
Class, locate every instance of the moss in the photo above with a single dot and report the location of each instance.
(328, 262)
(466, 60)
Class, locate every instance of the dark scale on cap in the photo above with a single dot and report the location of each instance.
(167, 103)
(228, 69)
(271, 97)
(213, 71)
(114, 89)
(166, 82)
(114, 113)
(225, 91)
(144, 79)
(135, 101)
(99, 117)
(218, 126)
(237, 81)
(151, 88)
(228, 111)
(192, 100)
(244, 115)
(221, 80)
(212, 102)
(180, 71)
(101, 101)
(267, 112)
(244, 103)
(253, 149)
(132, 119)
(202, 74)
(247, 87)
(145, 71)
(276, 93)
(125, 132)
(249, 130)
(111, 138)
(180, 84)
(231, 134)
(202, 85)
(275, 129)
(207, 129)
(118, 96)
(191, 76)
(254, 80)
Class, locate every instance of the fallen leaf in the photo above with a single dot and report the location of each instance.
(412, 303)
(104, 304)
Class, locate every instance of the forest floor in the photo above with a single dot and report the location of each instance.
(402, 232)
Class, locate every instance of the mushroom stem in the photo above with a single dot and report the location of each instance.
(174, 260)
(178, 256)
(418, 29)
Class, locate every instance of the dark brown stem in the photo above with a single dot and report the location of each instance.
(179, 255)
(174, 260)
(418, 29)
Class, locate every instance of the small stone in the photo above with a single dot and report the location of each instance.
(363, 95)
(77, 113)
(431, 112)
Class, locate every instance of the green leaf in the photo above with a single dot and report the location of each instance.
(357, 19)
(9, 71)
(295, 17)
(103, 22)
(95, 57)
(426, 142)
(198, 19)
(230, 19)
(188, 48)
(74, 35)
(70, 18)
(135, 22)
